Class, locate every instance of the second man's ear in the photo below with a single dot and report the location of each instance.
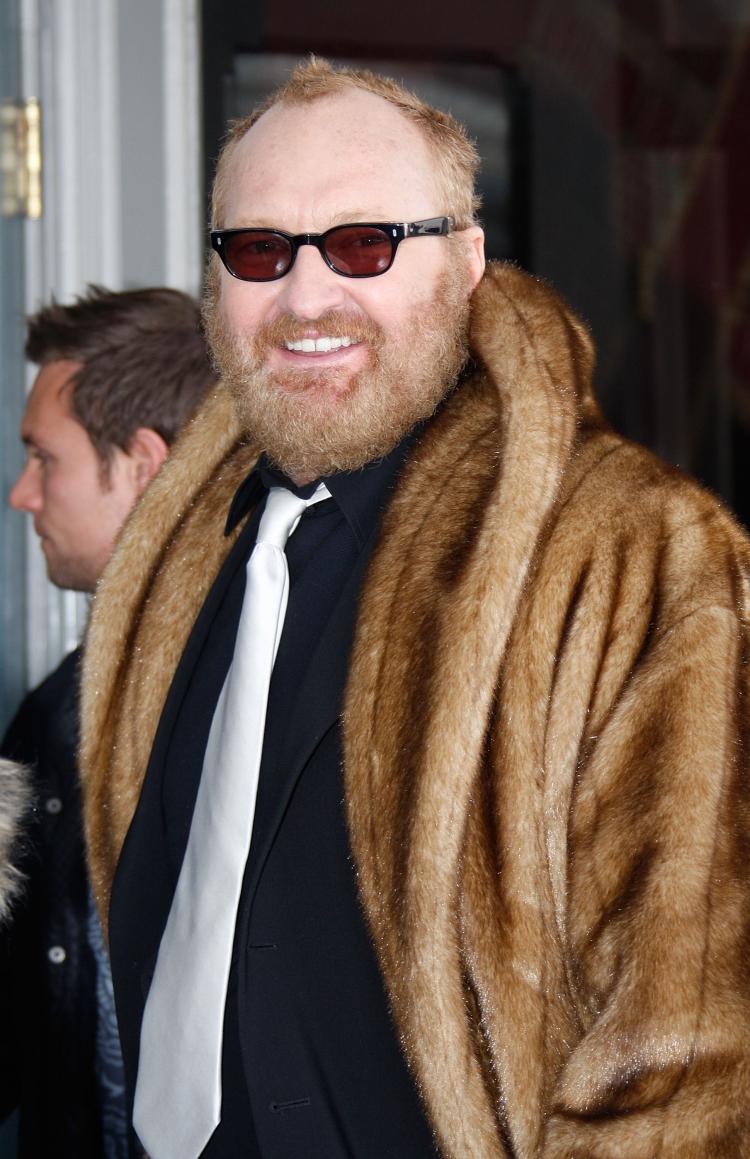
(147, 450)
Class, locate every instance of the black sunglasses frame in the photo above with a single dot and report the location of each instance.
(395, 231)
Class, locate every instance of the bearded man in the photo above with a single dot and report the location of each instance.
(435, 801)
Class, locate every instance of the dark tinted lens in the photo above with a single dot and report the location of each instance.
(257, 254)
(359, 250)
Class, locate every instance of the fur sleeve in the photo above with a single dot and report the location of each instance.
(658, 907)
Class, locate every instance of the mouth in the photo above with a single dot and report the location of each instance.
(320, 345)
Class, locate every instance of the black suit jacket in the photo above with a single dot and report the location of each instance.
(312, 1066)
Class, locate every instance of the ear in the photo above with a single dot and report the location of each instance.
(147, 451)
(473, 241)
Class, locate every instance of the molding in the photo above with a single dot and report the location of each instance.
(69, 60)
(74, 59)
(82, 146)
(183, 208)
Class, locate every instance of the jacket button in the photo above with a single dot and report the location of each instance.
(53, 805)
(56, 955)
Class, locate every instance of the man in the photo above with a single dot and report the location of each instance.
(119, 374)
(495, 900)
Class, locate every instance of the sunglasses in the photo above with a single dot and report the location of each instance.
(363, 250)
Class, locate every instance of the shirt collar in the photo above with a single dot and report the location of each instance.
(361, 495)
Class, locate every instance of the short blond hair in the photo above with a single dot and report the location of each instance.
(454, 153)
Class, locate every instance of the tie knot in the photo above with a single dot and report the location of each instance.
(282, 512)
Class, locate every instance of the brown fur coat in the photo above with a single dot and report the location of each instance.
(546, 756)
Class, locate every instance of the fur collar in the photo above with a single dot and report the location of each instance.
(531, 389)
(15, 798)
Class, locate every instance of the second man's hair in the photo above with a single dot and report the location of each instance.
(144, 361)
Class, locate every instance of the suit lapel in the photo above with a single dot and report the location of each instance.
(192, 652)
(315, 710)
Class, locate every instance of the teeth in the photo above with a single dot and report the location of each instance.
(319, 345)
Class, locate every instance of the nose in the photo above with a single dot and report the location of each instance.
(310, 288)
(26, 494)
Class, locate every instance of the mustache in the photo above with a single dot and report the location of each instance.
(331, 324)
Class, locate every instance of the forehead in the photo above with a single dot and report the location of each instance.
(353, 155)
(49, 400)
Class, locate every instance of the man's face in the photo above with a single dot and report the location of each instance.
(347, 158)
(77, 509)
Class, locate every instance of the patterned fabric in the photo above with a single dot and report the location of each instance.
(109, 1069)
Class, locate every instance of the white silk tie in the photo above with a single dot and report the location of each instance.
(178, 1090)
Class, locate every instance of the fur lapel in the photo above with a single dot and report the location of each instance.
(168, 555)
(456, 550)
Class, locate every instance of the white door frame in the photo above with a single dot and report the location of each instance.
(73, 54)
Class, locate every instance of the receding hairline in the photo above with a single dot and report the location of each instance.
(398, 138)
(453, 154)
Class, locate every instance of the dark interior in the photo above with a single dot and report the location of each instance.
(614, 134)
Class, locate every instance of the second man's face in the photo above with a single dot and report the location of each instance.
(348, 158)
(77, 509)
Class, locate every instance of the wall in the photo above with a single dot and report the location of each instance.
(118, 82)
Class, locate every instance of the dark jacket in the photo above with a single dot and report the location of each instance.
(48, 979)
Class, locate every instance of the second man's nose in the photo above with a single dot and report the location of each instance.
(25, 494)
